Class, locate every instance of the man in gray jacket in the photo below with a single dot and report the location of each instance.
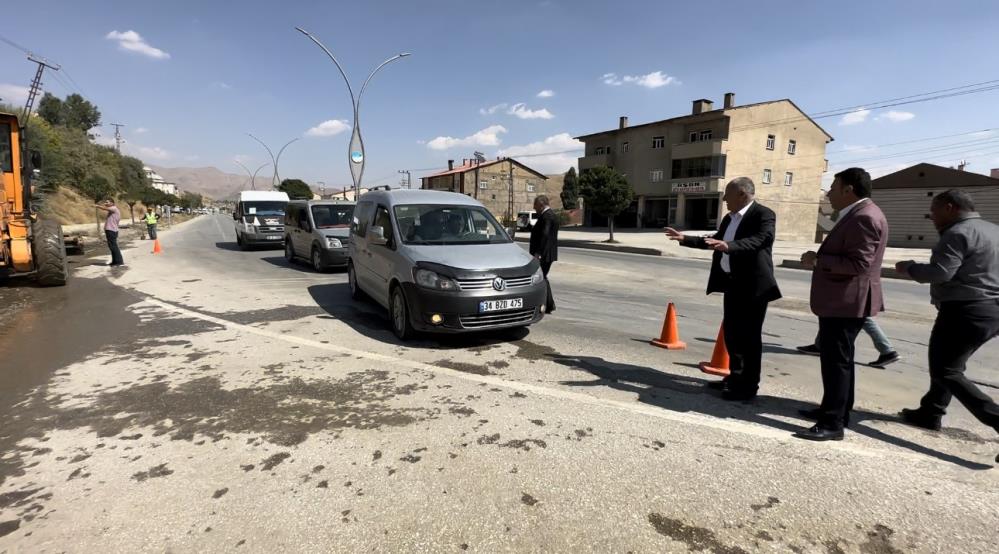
(963, 274)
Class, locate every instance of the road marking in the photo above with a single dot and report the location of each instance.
(744, 428)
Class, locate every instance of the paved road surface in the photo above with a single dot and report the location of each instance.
(211, 399)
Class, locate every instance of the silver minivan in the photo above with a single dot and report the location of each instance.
(440, 262)
(318, 231)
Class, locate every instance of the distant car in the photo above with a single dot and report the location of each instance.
(259, 217)
(526, 220)
(319, 231)
(440, 262)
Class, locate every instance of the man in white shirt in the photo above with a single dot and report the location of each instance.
(743, 269)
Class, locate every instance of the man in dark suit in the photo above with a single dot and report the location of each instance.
(846, 289)
(544, 242)
(742, 268)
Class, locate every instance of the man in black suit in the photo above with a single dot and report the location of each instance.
(544, 242)
(742, 268)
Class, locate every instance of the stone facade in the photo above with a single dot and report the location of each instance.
(493, 188)
(679, 167)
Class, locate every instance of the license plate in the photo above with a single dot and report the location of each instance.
(273, 237)
(500, 305)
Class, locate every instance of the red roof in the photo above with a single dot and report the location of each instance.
(463, 168)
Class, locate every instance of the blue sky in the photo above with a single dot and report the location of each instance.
(192, 77)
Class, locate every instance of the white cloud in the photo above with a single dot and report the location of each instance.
(328, 128)
(222, 85)
(152, 153)
(557, 153)
(141, 130)
(547, 93)
(490, 136)
(896, 117)
(855, 117)
(523, 112)
(133, 42)
(493, 109)
(13, 94)
(656, 79)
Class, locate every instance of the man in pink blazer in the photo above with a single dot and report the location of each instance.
(846, 288)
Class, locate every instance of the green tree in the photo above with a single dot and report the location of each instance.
(132, 182)
(570, 190)
(296, 189)
(191, 200)
(97, 188)
(78, 113)
(606, 192)
(50, 109)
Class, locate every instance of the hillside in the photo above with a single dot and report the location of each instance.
(210, 181)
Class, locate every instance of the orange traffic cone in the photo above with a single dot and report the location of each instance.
(670, 337)
(719, 358)
(156, 247)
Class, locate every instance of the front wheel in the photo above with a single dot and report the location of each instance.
(317, 260)
(239, 242)
(399, 313)
(355, 291)
(289, 250)
(49, 253)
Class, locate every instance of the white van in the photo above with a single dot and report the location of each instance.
(259, 217)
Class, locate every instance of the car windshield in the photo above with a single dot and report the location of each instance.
(264, 207)
(448, 225)
(332, 216)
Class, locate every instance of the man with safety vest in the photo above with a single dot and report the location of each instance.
(151, 221)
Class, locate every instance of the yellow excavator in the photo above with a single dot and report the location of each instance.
(29, 246)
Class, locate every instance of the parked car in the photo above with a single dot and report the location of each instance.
(319, 231)
(259, 217)
(526, 220)
(440, 262)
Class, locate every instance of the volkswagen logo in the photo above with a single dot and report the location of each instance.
(499, 283)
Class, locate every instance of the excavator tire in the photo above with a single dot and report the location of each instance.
(50, 254)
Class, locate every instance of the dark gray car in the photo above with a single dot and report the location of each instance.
(318, 231)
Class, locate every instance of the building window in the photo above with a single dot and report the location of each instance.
(600, 150)
(483, 184)
(771, 141)
(494, 197)
(707, 166)
(792, 146)
(788, 177)
(766, 176)
(659, 142)
(626, 147)
(704, 135)
(656, 175)
(693, 136)
(530, 186)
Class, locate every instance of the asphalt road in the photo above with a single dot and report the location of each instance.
(209, 399)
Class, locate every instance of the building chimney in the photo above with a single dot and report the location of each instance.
(963, 164)
(622, 122)
(450, 165)
(729, 100)
(702, 105)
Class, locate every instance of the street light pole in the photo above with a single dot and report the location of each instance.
(253, 175)
(276, 179)
(355, 151)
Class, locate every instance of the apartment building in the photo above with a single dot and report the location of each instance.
(505, 186)
(679, 166)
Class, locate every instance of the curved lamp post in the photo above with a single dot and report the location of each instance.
(251, 175)
(355, 152)
(276, 179)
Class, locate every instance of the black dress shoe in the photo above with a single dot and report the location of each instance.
(738, 395)
(717, 385)
(820, 434)
(919, 418)
(810, 349)
(885, 359)
(816, 414)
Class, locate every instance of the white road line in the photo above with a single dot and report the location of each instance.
(744, 428)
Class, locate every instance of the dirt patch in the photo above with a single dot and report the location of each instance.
(475, 369)
(152, 473)
(771, 502)
(274, 461)
(879, 541)
(528, 500)
(220, 493)
(697, 539)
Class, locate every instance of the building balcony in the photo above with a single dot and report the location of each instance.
(697, 149)
(595, 160)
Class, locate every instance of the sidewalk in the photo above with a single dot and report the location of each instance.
(655, 243)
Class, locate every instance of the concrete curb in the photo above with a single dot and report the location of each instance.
(590, 245)
(886, 272)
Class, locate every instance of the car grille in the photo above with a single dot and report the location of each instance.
(270, 229)
(484, 321)
(487, 284)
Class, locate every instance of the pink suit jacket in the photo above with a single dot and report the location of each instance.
(846, 281)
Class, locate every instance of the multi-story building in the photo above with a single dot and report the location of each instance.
(160, 184)
(679, 166)
(504, 186)
(904, 196)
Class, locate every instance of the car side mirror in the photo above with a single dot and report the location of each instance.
(377, 233)
(36, 159)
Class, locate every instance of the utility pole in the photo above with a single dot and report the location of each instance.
(479, 158)
(408, 181)
(509, 207)
(36, 83)
(117, 135)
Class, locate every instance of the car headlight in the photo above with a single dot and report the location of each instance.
(537, 277)
(333, 243)
(430, 280)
